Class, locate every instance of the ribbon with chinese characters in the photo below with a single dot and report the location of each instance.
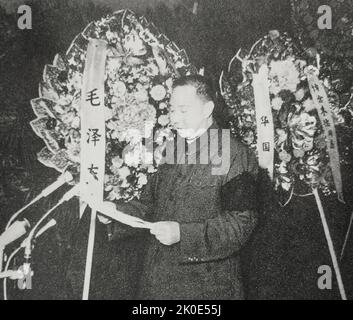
(92, 166)
(264, 120)
(323, 108)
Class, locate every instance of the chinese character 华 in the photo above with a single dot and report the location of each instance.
(264, 121)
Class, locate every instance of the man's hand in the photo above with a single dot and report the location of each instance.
(167, 232)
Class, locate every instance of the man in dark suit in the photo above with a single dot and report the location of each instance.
(202, 206)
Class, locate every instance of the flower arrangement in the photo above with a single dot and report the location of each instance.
(301, 153)
(140, 68)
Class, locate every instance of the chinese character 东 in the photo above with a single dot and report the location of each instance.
(93, 136)
(266, 147)
(92, 97)
(93, 171)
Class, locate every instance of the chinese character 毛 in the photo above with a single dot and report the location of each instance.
(92, 97)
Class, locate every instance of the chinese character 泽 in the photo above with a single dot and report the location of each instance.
(93, 136)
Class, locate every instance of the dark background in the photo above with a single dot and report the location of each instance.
(287, 250)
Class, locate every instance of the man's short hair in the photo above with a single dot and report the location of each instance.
(203, 86)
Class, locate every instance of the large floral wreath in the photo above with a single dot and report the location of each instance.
(301, 157)
(140, 68)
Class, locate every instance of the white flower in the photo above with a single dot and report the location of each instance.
(141, 95)
(163, 120)
(134, 44)
(113, 65)
(117, 162)
(158, 92)
(282, 136)
(169, 84)
(299, 95)
(309, 105)
(76, 123)
(163, 106)
(132, 156)
(133, 121)
(285, 156)
(153, 68)
(134, 136)
(142, 180)
(111, 35)
(298, 153)
(119, 88)
(283, 76)
(108, 113)
(123, 173)
(277, 103)
(179, 64)
(68, 118)
(76, 81)
(308, 145)
(124, 183)
(283, 168)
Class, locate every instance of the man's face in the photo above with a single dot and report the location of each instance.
(189, 112)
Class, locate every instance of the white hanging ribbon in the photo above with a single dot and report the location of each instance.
(264, 120)
(322, 104)
(92, 154)
(93, 124)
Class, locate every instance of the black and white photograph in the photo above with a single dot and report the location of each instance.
(180, 151)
